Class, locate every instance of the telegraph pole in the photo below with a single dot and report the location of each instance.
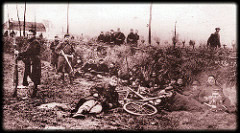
(67, 18)
(24, 22)
(175, 35)
(8, 21)
(149, 36)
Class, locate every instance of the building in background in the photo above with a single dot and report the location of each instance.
(12, 25)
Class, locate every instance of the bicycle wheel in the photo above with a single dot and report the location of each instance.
(139, 108)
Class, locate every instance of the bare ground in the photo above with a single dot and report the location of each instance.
(24, 114)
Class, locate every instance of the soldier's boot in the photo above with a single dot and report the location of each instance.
(34, 94)
(62, 78)
(15, 93)
(25, 82)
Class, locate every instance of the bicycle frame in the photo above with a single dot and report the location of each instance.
(143, 99)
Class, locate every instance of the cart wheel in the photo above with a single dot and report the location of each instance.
(139, 108)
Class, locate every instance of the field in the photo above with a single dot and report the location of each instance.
(25, 114)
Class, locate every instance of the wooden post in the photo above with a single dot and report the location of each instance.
(67, 18)
(149, 36)
(24, 20)
(8, 28)
(175, 35)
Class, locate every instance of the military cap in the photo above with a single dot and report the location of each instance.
(217, 28)
(66, 35)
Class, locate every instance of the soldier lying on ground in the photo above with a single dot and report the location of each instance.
(193, 91)
(179, 102)
(103, 97)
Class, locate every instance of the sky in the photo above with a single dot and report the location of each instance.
(194, 21)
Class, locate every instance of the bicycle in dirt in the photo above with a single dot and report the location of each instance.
(137, 103)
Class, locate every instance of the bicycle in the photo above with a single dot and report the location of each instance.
(143, 105)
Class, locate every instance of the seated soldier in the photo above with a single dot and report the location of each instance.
(90, 66)
(180, 86)
(101, 37)
(193, 91)
(212, 95)
(103, 97)
(113, 70)
(102, 68)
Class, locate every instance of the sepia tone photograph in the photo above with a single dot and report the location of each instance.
(119, 66)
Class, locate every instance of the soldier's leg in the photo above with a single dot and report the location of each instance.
(34, 90)
(96, 109)
(26, 74)
(86, 106)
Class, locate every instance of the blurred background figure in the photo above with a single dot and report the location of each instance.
(214, 40)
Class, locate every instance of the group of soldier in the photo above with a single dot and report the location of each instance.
(118, 37)
(104, 96)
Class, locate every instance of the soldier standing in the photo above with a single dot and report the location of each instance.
(107, 37)
(112, 37)
(32, 62)
(131, 37)
(67, 49)
(120, 37)
(54, 56)
(136, 37)
(101, 37)
(214, 40)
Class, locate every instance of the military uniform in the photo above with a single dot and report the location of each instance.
(32, 61)
(136, 38)
(62, 65)
(214, 41)
(112, 38)
(131, 38)
(54, 55)
(107, 98)
(119, 38)
(101, 38)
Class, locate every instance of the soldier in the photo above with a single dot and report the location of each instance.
(102, 68)
(112, 37)
(180, 86)
(192, 43)
(136, 37)
(32, 62)
(101, 37)
(131, 37)
(65, 48)
(89, 66)
(119, 37)
(107, 37)
(54, 56)
(103, 97)
(214, 40)
(113, 70)
(212, 94)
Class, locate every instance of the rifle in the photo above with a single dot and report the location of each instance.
(65, 56)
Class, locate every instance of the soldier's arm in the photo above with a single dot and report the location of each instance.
(59, 48)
